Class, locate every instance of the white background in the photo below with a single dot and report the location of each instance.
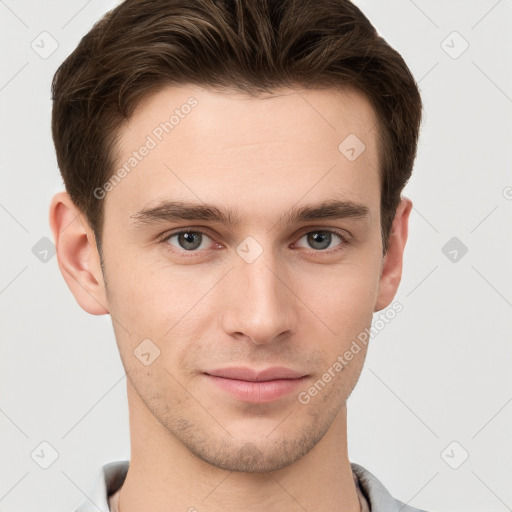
(438, 373)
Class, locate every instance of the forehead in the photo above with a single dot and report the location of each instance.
(252, 153)
(231, 117)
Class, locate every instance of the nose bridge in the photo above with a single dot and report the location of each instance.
(262, 306)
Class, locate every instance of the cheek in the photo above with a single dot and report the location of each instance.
(353, 305)
(170, 308)
(145, 296)
(343, 298)
(347, 311)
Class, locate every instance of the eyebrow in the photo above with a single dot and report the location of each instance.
(167, 211)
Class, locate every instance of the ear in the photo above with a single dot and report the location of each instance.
(77, 254)
(391, 272)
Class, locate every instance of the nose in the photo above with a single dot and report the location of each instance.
(258, 302)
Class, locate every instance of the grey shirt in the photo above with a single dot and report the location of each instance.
(373, 496)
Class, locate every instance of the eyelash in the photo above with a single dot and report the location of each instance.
(345, 240)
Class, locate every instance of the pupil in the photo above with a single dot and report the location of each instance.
(190, 240)
(320, 239)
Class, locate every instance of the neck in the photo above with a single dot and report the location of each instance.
(165, 476)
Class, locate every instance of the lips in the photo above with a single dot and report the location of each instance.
(257, 386)
(251, 375)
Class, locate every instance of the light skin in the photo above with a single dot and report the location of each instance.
(299, 304)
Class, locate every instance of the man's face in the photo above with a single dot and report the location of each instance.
(259, 291)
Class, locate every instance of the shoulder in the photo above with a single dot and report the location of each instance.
(379, 498)
(109, 479)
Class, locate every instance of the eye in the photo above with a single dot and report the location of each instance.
(193, 241)
(187, 240)
(321, 240)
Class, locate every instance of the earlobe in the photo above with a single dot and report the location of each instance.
(393, 260)
(77, 254)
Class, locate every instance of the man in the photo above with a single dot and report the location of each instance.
(233, 175)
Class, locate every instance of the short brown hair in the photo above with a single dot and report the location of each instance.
(251, 46)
